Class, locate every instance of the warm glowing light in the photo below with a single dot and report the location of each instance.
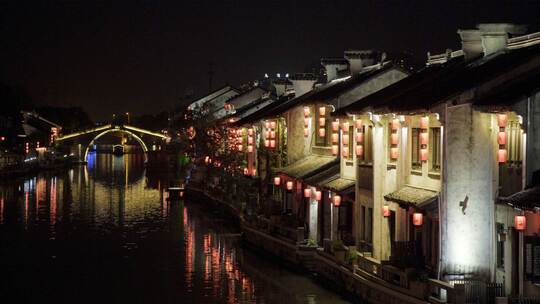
(358, 124)
(318, 195)
(250, 148)
(240, 148)
(322, 111)
(424, 138)
(345, 127)
(423, 154)
(394, 153)
(335, 149)
(502, 155)
(267, 143)
(335, 138)
(307, 192)
(345, 152)
(502, 119)
(424, 122)
(306, 122)
(289, 185)
(266, 134)
(386, 211)
(277, 180)
(394, 139)
(267, 124)
(345, 139)
(272, 143)
(246, 171)
(254, 172)
(322, 132)
(306, 132)
(239, 132)
(250, 132)
(306, 111)
(250, 140)
(335, 126)
(272, 124)
(520, 222)
(359, 137)
(395, 124)
(359, 150)
(272, 134)
(418, 219)
(337, 200)
(501, 138)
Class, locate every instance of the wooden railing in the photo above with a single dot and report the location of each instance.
(369, 265)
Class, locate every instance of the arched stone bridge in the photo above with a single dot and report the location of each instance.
(83, 140)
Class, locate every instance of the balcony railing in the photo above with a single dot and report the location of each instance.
(407, 254)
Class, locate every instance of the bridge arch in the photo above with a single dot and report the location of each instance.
(117, 129)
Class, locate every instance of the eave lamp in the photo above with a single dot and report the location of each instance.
(307, 192)
(337, 200)
(520, 222)
(386, 211)
(417, 219)
(318, 195)
(289, 185)
(277, 180)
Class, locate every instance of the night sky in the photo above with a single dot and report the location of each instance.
(142, 56)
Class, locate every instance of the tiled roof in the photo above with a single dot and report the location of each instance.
(308, 166)
(409, 195)
(527, 199)
(434, 84)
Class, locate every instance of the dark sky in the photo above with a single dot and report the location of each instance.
(141, 56)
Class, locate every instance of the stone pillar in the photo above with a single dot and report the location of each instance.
(469, 157)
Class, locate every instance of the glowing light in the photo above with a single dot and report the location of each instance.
(386, 211)
(306, 132)
(502, 119)
(267, 143)
(250, 149)
(395, 124)
(277, 181)
(359, 150)
(272, 134)
(337, 200)
(502, 155)
(254, 172)
(418, 219)
(306, 122)
(272, 124)
(318, 195)
(335, 126)
(424, 122)
(393, 138)
(322, 132)
(307, 192)
(345, 139)
(250, 140)
(423, 138)
(267, 124)
(335, 149)
(359, 137)
(520, 222)
(322, 111)
(345, 127)
(239, 147)
(322, 121)
(423, 154)
(250, 132)
(306, 111)
(501, 138)
(272, 143)
(335, 138)
(246, 171)
(394, 153)
(345, 152)
(289, 185)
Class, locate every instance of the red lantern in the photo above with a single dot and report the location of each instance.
(358, 124)
(423, 138)
(345, 127)
(306, 111)
(423, 154)
(502, 119)
(335, 138)
(306, 122)
(386, 211)
(337, 200)
(394, 139)
(289, 185)
(250, 140)
(272, 124)
(345, 139)
(267, 124)
(335, 126)
(424, 122)
(272, 143)
(239, 148)
(306, 132)
(267, 143)
(359, 137)
(502, 155)
(254, 172)
(272, 134)
(246, 172)
(318, 195)
(520, 222)
(250, 149)
(418, 219)
(250, 132)
(345, 152)
(359, 150)
(322, 132)
(394, 153)
(501, 138)
(277, 180)
(307, 192)
(322, 121)
(335, 149)
(322, 111)
(395, 124)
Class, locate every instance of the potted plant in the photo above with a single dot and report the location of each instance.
(338, 250)
(352, 258)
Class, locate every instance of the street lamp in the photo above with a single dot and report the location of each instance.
(127, 114)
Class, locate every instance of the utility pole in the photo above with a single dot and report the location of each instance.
(210, 75)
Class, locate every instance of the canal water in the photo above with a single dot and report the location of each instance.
(104, 233)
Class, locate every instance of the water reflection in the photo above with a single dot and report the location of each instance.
(105, 232)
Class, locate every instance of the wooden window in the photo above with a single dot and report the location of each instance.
(514, 146)
(416, 163)
(435, 144)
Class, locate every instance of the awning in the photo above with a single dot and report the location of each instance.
(308, 166)
(330, 179)
(414, 196)
(527, 199)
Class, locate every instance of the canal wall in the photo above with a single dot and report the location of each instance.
(367, 282)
